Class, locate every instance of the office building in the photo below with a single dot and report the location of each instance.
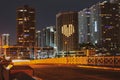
(100, 25)
(95, 25)
(67, 31)
(105, 26)
(5, 40)
(25, 26)
(84, 26)
(38, 38)
(48, 34)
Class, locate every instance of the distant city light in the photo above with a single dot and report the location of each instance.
(96, 26)
(108, 26)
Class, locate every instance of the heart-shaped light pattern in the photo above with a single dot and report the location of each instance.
(68, 30)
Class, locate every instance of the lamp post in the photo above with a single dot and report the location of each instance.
(66, 48)
(67, 58)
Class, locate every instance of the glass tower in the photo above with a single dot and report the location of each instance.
(84, 26)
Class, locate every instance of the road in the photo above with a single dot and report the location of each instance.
(72, 72)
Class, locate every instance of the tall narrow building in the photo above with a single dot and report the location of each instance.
(105, 24)
(38, 38)
(48, 34)
(5, 40)
(25, 26)
(84, 26)
(67, 31)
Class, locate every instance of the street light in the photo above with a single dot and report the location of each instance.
(66, 48)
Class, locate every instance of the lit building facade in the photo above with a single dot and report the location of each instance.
(110, 23)
(67, 31)
(48, 35)
(25, 26)
(95, 25)
(105, 26)
(84, 26)
(100, 25)
(5, 40)
(38, 38)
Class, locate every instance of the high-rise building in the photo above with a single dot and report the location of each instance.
(48, 34)
(95, 24)
(38, 38)
(100, 24)
(67, 31)
(5, 40)
(25, 26)
(105, 26)
(110, 23)
(84, 26)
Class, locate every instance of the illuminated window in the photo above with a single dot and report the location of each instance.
(20, 19)
(21, 10)
(103, 6)
(96, 41)
(96, 26)
(32, 27)
(20, 22)
(25, 10)
(26, 30)
(107, 17)
(31, 12)
(25, 19)
(108, 39)
(113, 8)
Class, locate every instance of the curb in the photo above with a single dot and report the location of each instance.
(98, 67)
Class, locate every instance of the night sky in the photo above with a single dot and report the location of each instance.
(46, 11)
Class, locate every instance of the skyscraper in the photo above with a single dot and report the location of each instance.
(25, 26)
(84, 26)
(110, 23)
(5, 40)
(67, 31)
(48, 34)
(95, 24)
(100, 24)
(105, 26)
(38, 38)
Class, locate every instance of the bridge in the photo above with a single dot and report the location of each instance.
(113, 61)
(69, 68)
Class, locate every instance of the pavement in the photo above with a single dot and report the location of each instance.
(74, 72)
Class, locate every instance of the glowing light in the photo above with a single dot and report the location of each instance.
(9, 67)
(68, 30)
(95, 26)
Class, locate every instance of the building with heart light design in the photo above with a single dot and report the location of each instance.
(67, 31)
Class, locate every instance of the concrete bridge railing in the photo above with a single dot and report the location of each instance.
(92, 60)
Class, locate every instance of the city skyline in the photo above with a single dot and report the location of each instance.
(44, 16)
